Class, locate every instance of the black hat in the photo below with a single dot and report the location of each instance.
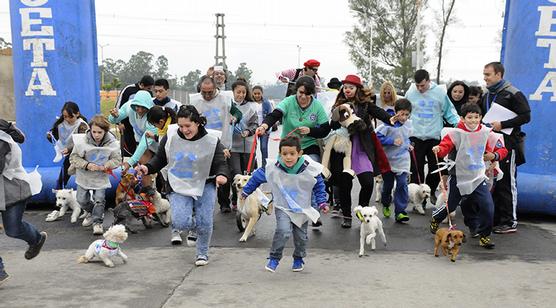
(334, 83)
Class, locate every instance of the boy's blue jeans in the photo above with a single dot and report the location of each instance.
(284, 230)
(401, 195)
(182, 215)
(95, 207)
(15, 227)
(479, 220)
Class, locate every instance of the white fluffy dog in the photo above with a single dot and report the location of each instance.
(65, 198)
(417, 195)
(108, 247)
(249, 209)
(370, 225)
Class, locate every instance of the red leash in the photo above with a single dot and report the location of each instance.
(445, 195)
(289, 134)
(416, 166)
(252, 154)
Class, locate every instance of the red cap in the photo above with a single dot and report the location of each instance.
(311, 63)
(353, 79)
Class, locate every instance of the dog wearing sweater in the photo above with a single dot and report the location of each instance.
(107, 248)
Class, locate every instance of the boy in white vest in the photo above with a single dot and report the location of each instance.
(292, 179)
(468, 184)
(94, 154)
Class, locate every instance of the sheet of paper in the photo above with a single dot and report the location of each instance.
(499, 113)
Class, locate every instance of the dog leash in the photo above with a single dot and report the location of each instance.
(416, 166)
(445, 195)
(252, 154)
(289, 134)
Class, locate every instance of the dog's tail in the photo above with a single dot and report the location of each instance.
(82, 259)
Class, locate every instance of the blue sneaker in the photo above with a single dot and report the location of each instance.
(297, 264)
(272, 265)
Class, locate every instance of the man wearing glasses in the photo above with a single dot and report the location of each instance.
(290, 76)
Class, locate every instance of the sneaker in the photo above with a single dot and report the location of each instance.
(34, 250)
(419, 209)
(272, 265)
(347, 223)
(3, 276)
(176, 237)
(433, 227)
(386, 212)
(191, 238)
(88, 220)
(234, 207)
(297, 265)
(201, 261)
(97, 229)
(504, 229)
(485, 242)
(225, 209)
(402, 217)
(317, 224)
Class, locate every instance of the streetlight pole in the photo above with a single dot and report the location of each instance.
(102, 63)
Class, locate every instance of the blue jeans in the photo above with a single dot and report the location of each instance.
(182, 215)
(263, 142)
(401, 195)
(284, 229)
(477, 208)
(15, 227)
(95, 207)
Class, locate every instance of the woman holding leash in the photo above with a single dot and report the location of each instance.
(367, 156)
(195, 167)
(70, 122)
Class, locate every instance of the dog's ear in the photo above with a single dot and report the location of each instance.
(236, 177)
(448, 237)
(373, 210)
(335, 116)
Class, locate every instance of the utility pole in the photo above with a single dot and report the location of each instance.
(220, 39)
(102, 63)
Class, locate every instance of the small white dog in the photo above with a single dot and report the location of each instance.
(417, 195)
(66, 198)
(108, 247)
(370, 224)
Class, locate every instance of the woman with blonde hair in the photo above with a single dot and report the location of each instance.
(388, 96)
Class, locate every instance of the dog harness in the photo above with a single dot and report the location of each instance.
(108, 245)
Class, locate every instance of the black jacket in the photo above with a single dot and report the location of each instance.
(511, 98)
(219, 165)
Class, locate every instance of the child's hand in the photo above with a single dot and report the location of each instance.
(398, 142)
(410, 147)
(221, 180)
(141, 170)
(242, 196)
(149, 134)
(436, 149)
(114, 112)
(488, 156)
(227, 153)
(65, 151)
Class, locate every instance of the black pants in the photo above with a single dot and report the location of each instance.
(504, 193)
(423, 149)
(128, 143)
(63, 177)
(223, 191)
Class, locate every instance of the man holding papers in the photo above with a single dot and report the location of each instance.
(506, 109)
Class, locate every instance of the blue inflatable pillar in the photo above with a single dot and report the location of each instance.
(54, 60)
(529, 57)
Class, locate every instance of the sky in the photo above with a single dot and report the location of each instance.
(271, 36)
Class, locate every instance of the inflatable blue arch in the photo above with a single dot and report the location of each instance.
(55, 60)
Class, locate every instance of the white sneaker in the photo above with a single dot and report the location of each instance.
(87, 221)
(191, 239)
(97, 229)
(419, 209)
(201, 261)
(176, 237)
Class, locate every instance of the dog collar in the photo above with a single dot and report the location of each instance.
(110, 245)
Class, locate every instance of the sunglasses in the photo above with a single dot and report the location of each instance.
(314, 69)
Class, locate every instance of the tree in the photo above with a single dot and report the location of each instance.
(243, 72)
(444, 18)
(393, 23)
(189, 81)
(161, 68)
(139, 64)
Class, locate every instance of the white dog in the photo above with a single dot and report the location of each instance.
(370, 224)
(162, 208)
(249, 209)
(65, 198)
(417, 195)
(108, 247)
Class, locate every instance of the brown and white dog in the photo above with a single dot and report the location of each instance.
(339, 139)
(125, 188)
(450, 241)
(249, 209)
